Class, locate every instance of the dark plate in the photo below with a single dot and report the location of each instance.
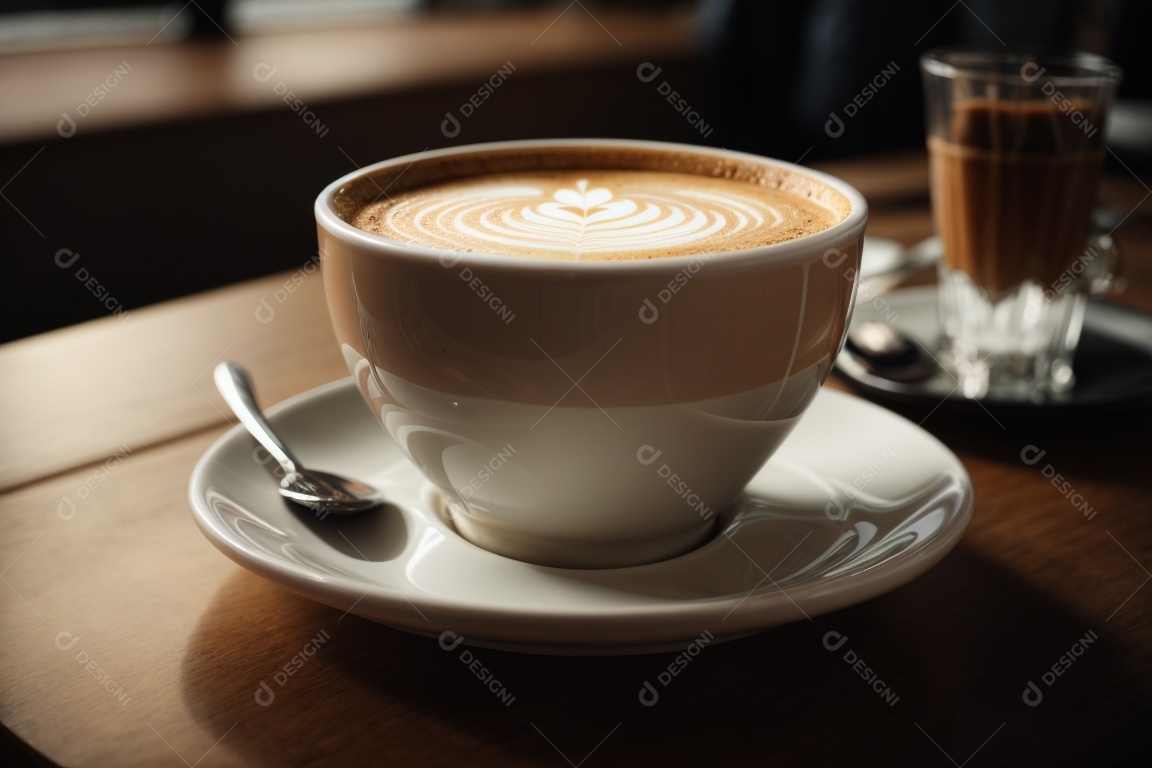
(1113, 363)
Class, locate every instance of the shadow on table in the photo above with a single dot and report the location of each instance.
(968, 659)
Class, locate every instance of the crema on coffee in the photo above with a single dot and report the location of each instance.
(588, 214)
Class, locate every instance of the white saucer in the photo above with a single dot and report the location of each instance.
(884, 264)
(856, 502)
(879, 256)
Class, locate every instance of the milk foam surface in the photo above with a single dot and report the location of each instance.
(588, 214)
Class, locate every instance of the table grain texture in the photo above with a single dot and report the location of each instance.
(128, 640)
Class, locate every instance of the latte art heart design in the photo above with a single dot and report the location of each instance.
(576, 210)
(582, 197)
(577, 219)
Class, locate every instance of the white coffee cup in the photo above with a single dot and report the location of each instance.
(588, 414)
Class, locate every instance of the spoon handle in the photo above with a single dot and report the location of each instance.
(235, 386)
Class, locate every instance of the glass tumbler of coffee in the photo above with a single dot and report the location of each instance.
(1016, 143)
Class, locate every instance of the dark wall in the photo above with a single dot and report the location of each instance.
(121, 219)
(832, 78)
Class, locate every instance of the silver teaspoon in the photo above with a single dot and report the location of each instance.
(322, 492)
(886, 352)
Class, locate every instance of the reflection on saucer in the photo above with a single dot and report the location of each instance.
(821, 527)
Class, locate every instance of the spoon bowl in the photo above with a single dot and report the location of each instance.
(887, 352)
(325, 493)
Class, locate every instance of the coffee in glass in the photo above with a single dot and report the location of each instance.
(1015, 143)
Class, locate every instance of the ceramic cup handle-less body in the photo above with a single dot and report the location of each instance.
(588, 414)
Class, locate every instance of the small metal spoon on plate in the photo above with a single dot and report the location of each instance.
(322, 492)
(888, 353)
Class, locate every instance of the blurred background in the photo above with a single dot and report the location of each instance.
(154, 150)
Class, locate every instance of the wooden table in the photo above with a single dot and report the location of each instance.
(129, 640)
